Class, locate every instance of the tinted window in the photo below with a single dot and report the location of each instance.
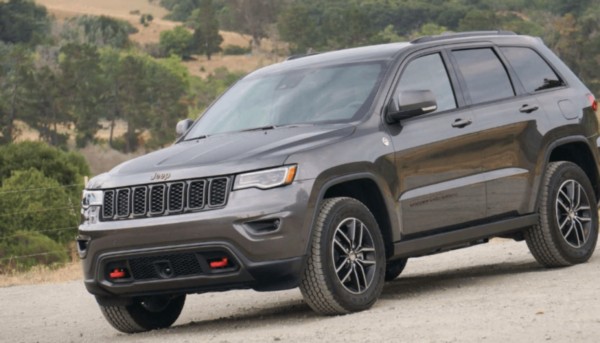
(484, 74)
(535, 74)
(429, 73)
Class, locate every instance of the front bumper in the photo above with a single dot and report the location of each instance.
(260, 259)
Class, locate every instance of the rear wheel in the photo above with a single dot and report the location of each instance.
(144, 314)
(567, 230)
(346, 263)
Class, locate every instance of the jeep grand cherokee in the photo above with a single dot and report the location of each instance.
(328, 171)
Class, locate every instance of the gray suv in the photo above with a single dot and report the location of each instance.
(327, 172)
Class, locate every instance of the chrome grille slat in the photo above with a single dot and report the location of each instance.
(162, 199)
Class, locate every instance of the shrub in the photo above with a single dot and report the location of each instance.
(236, 50)
(67, 168)
(26, 249)
(176, 42)
(30, 201)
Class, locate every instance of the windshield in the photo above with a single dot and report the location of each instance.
(307, 96)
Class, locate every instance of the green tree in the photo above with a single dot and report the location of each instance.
(301, 26)
(180, 9)
(206, 39)
(22, 21)
(176, 42)
(30, 201)
(168, 84)
(98, 31)
(112, 100)
(254, 16)
(480, 20)
(326, 25)
(16, 65)
(47, 106)
(82, 87)
(133, 83)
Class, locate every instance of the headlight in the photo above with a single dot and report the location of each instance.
(92, 198)
(266, 179)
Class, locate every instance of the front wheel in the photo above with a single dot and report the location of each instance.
(346, 262)
(145, 314)
(567, 231)
(394, 269)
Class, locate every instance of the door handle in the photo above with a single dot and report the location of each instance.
(460, 123)
(528, 109)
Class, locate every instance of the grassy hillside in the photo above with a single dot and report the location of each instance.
(122, 9)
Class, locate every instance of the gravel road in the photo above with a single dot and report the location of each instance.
(490, 293)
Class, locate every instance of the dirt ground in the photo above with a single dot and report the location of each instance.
(490, 293)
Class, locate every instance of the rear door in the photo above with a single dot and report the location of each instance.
(510, 121)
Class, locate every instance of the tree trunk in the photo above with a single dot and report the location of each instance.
(110, 135)
(128, 137)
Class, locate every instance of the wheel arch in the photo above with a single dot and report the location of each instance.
(365, 188)
(576, 150)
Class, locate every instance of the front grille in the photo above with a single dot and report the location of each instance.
(163, 199)
(144, 268)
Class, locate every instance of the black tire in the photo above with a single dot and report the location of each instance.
(145, 314)
(394, 269)
(567, 230)
(337, 243)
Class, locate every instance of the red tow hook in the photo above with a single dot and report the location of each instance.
(222, 263)
(117, 273)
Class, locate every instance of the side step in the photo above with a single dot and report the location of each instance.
(443, 241)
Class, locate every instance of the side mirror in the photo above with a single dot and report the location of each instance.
(409, 104)
(183, 126)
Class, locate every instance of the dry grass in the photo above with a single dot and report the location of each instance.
(42, 274)
(102, 159)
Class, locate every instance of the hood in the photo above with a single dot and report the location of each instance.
(222, 154)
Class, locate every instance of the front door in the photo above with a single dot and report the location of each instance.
(438, 157)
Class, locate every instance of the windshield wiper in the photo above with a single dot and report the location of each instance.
(195, 138)
(261, 128)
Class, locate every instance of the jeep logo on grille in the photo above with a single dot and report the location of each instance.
(160, 177)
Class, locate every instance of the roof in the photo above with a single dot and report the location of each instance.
(382, 52)
(371, 53)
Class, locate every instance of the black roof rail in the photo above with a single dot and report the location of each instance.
(295, 57)
(451, 35)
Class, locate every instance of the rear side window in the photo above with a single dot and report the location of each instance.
(484, 74)
(429, 73)
(535, 74)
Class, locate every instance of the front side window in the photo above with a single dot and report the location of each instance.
(484, 74)
(328, 94)
(535, 74)
(429, 73)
